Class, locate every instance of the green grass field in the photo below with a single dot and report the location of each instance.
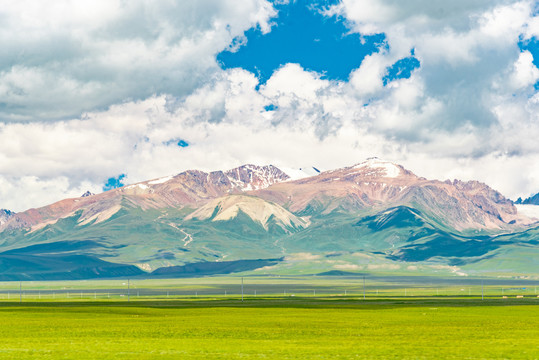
(272, 328)
(226, 287)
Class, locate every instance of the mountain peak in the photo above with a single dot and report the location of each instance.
(377, 167)
(87, 193)
(253, 177)
(5, 215)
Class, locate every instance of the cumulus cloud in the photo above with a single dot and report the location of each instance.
(63, 59)
(468, 111)
(524, 73)
(460, 44)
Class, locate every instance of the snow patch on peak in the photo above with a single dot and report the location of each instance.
(160, 180)
(304, 172)
(252, 177)
(141, 186)
(391, 170)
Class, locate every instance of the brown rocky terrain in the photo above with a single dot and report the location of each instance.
(191, 188)
(5, 215)
(373, 184)
(378, 184)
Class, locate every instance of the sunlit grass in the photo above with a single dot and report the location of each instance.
(285, 328)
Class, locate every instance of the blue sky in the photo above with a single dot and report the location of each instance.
(303, 35)
(112, 92)
(114, 182)
(531, 45)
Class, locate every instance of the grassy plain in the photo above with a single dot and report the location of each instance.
(222, 287)
(272, 328)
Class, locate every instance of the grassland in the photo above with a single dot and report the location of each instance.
(272, 328)
(281, 318)
(226, 287)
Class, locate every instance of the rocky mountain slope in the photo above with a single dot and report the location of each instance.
(188, 189)
(5, 215)
(374, 213)
(258, 210)
(375, 184)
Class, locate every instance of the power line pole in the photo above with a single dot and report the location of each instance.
(128, 290)
(363, 287)
(242, 289)
(20, 292)
(482, 291)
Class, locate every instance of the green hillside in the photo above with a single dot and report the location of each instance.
(137, 242)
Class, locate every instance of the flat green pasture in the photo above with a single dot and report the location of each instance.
(272, 328)
(230, 287)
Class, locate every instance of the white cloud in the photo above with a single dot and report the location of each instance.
(462, 45)
(467, 112)
(367, 79)
(525, 73)
(21, 193)
(60, 60)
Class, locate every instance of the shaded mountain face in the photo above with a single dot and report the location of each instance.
(399, 217)
(64, 260)
(421, 239)
(376, 209)
(5, 215)
(532, 200)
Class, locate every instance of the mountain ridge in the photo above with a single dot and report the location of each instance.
(532, 200)
(188, 188)
(374, 213)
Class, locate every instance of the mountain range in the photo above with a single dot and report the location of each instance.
(373, 216)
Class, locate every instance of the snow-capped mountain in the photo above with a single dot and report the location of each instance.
(191, 188)
(371, 183)
(376, 183)
(378, 168)
(376, 208)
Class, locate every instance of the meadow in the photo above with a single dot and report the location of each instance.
(324, 318)
(225, 287)
(272, 328)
